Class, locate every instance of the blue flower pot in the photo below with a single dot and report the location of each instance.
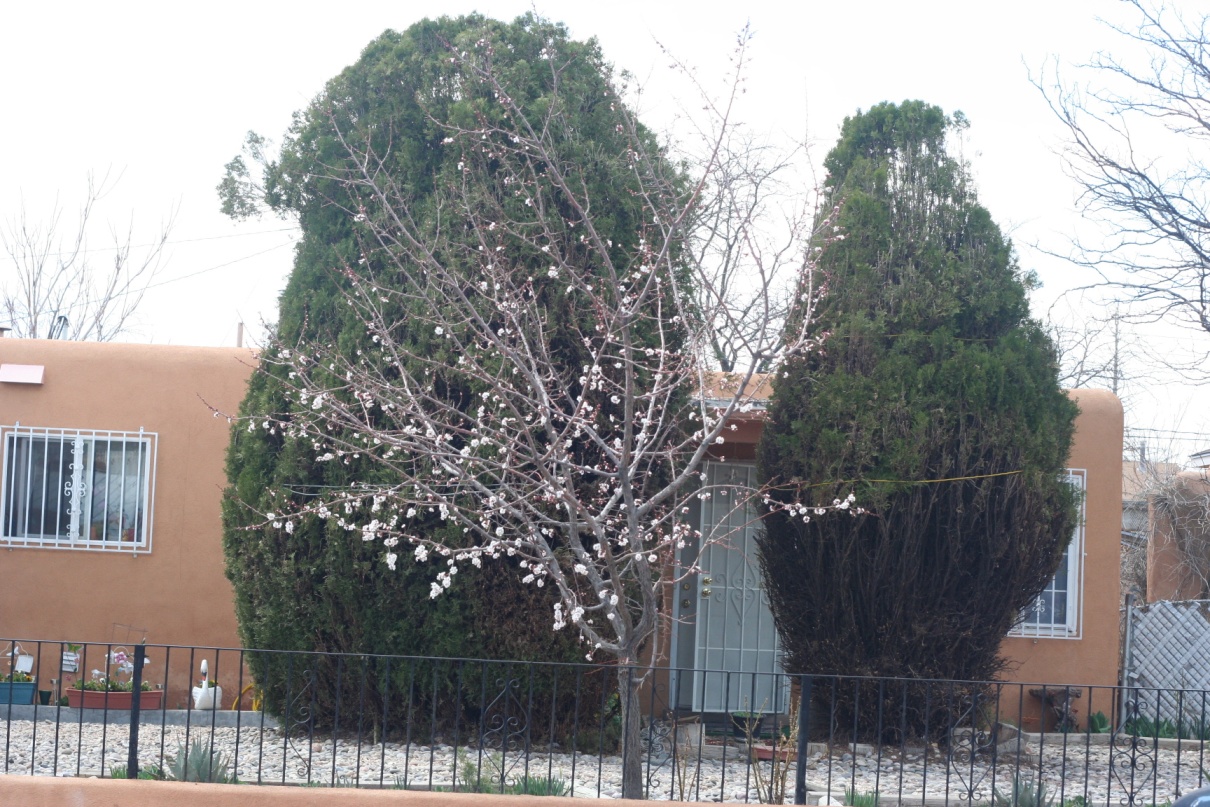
(17, 692)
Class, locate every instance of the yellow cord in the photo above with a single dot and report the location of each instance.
(257, 698)
(916, 481)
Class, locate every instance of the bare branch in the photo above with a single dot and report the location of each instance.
(1133, 146)
(63, 289)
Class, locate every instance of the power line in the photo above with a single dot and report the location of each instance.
(218, 266)
(142, 289)
(1166, 432)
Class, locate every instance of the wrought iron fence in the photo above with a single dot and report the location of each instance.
(324, 719)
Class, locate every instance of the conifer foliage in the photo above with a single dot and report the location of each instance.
(310, 584)
(934, 400)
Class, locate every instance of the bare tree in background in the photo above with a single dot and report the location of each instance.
(1087, 357)
(747, 238)
(1101, 352)
(1136, 146)
(63, 288)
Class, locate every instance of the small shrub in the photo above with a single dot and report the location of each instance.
(1141, 727)
(199, 762)
(771, 787)
(857, 798)
(538, 786)
(1193, 731)
(482, 776)
(1166, 729)
(150, 772)
(485, 776)
(1025, 793)
(1099, 723)
(341, 781)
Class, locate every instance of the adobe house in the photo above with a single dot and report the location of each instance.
(111, 486)
(722, 621)
(133, 547)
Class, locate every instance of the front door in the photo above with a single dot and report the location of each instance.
(736, 659)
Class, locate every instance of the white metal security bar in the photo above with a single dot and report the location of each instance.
(77, 489)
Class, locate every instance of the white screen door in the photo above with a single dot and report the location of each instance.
(735, 636)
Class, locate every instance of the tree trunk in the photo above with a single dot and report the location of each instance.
(632, 735)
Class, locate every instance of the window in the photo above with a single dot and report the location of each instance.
(1056, 612)
(66, 489)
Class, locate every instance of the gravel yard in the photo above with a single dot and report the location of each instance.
(1070, 766)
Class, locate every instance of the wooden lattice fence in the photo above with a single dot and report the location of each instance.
(1169, 660)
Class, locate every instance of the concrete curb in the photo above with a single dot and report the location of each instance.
(219, 718)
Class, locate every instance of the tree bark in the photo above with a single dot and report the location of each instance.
(632, 735)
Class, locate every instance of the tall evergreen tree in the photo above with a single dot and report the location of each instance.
(311, 585)
(934, 400)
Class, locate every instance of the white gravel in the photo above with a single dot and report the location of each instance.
(93, 749)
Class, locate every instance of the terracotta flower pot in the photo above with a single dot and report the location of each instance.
(765, 751)
(88, 699)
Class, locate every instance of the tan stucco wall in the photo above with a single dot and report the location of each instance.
(178, 592)
(1092, 659)
(46, 791)
(1167, 575)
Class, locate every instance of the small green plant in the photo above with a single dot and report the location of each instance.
(1076, 801)
(859, 798)
(1025, 793)
(538, 786)
(1099, 723)
(478, 778)
(1166, 729)
(485, 776)
(340, 781)
(149, 772)
(199, 762)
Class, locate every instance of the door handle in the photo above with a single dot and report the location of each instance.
(705, 591)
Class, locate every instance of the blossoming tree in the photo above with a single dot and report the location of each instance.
(538, 331)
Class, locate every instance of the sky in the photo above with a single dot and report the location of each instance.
(159, 96)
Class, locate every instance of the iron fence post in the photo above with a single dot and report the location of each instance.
(804, 722)
(136, 691)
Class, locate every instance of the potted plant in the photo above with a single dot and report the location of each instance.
(17, 687)
(108, 690)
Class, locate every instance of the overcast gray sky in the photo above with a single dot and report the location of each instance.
(162, 94)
